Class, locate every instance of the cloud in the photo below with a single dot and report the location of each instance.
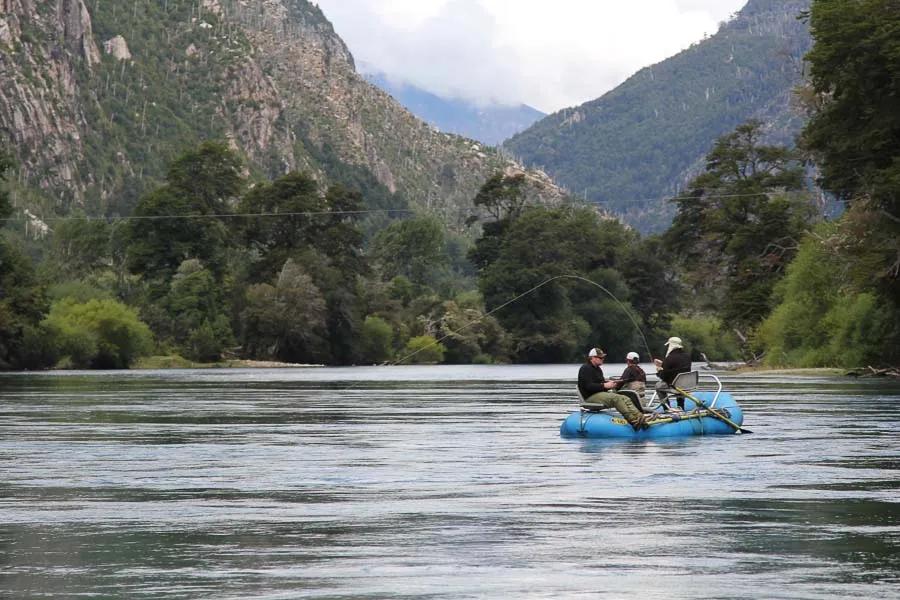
(523, 51)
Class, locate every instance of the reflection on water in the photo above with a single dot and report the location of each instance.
(435, 482)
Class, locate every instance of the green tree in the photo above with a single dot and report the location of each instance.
(22, 304)
(286, 321)
(552, 321)
(180, 221)
(376, 341)
(423, 349)
(290, 200)
(80, 247)
(199, 325)
(503, 198)
(822, 319)
(469, 335)
(22, 299)
(854, 135)
(739, 225)
(210, 177)
(98, 334)
(413, 248)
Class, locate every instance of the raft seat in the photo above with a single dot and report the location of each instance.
(688, 382)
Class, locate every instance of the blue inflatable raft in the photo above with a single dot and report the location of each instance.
(720, 414)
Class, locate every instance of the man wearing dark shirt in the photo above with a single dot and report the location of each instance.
(633, 377)
(593, 387)
(677, 361)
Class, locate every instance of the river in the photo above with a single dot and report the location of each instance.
(436, 483)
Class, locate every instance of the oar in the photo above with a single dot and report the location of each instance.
(715, 413)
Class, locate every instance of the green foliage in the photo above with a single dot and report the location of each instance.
(22, 304)
(854, 134)
(738, 226)
(706, 336)
(853, 65)
(176, 222)
(80, 246)
(198, 322)
(276, 238)
(413, 248)
(821, 321)
(376, 340)
(99, 334)
(79, 291)
(286, 321)
(502, 196)
(423, 349)
(468, 335)
(552, 321)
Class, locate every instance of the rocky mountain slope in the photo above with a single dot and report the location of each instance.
(644, 140)
(98, 97)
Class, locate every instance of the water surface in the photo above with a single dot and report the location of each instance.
(435, 482)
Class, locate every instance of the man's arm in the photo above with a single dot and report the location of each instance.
(587, 381)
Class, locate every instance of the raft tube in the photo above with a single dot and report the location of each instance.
(693, 421)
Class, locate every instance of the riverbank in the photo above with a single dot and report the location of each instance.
(822, 371)
(178, 362)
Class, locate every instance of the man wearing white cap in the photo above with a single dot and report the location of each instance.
(633, 377)
(595, 389)
(677, 361)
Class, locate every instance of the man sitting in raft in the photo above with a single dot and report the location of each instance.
(593, 387)
(633, 377)
(677, 361)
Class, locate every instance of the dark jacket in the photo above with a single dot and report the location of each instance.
(678, 361)
(631, 373)
(590, 380)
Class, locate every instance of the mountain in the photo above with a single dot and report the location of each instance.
(644, 140)
(99, 97)
(489, 124)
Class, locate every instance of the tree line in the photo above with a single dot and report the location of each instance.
(213, 264)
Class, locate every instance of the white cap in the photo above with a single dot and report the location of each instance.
(596, 352)
(632, 356)
(674, 342)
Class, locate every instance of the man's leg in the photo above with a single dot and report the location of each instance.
(621, 403)
(662, 390)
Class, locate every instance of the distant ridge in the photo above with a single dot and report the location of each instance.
(644, 140)
(490, 124)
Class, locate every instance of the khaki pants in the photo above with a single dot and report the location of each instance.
(617, 401)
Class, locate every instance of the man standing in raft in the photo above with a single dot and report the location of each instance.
(593, 387)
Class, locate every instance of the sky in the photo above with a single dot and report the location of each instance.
(549, 55)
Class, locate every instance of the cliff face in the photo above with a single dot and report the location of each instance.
(95, 128)
(44, 46)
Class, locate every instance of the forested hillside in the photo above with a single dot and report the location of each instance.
(644, 140)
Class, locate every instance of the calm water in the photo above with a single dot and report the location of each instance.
(435, 482)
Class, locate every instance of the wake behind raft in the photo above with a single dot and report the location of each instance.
(705, 413)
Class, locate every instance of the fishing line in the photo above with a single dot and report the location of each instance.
(519, 297)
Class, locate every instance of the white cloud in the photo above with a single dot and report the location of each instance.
(547, 55)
